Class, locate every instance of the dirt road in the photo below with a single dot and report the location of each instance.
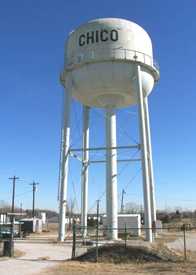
(179, 243)
(37, 257)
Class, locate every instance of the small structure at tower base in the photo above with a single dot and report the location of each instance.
(127, 223)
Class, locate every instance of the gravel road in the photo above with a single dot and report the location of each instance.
(37, 257)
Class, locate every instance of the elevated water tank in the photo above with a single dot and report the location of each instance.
(108, 64)
(100, 58)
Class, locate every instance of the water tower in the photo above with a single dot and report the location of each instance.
(108, 64)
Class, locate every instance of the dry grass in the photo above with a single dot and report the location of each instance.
(134, 267)
(44, 258)
(18, 253)
(74, 268)
(163, 266)
(53, 227)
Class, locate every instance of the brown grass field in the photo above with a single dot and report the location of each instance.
(135, 267)
(73, 268)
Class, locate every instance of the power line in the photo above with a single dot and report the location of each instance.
(121, 171)
(75, 196)
(130, 112)
(121, 129)
(104, 192)
(133, 178)
(24, 180)
(21, 194)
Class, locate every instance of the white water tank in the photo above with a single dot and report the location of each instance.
(100, 63)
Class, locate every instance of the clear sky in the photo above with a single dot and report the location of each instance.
(31, 58)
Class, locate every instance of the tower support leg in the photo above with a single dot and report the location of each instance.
(144, 155)
(64, 167)
(111, 175)
(84, 175)
(150, 163)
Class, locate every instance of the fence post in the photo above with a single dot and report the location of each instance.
(97, 240)
(184, 233)
(125, 235)
(154, 230)
(11, 246)
(97, 232)
(74, 240)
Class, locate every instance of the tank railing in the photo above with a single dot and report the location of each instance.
(121, 53)
(145, 56)
(156, 64)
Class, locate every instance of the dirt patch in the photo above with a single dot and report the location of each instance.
(37, 258)
(18, 253)
(121, 254)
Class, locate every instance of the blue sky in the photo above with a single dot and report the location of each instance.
(32, 50)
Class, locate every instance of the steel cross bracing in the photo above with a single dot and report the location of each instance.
(72, 153)
(111, 159)
(136, 146)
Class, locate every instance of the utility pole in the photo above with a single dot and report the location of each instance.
(14, 178)
(71, 208)
(122, 201)
(34, 184)
(11, 247)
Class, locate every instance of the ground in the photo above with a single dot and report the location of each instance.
(190, 242)
(76, 268)
(36, 257)
(41, 254)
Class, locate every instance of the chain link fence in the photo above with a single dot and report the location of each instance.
(169, 243)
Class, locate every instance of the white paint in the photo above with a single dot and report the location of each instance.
(38, 225)
(101, 73)
(144, 155)
(159, 226)
(3, 218)
(64, 166)
(150, 162)
(111, 73)
(43, 217)
(85, 167)
(132, 222)
(111, 175)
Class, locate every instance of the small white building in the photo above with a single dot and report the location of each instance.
(132, 222)
(159, 226)
(3, 218)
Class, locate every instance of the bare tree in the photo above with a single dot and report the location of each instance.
(133, 208)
